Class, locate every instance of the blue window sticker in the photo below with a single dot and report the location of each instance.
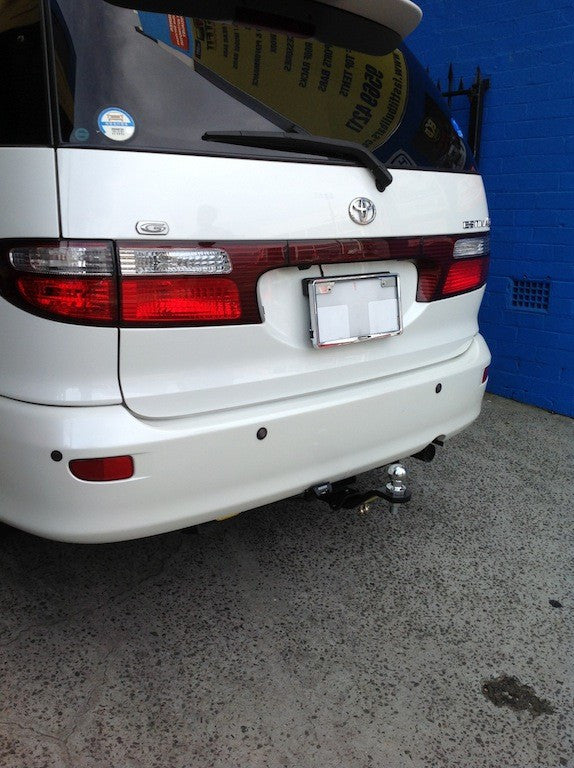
(81, 134)
(116, 124)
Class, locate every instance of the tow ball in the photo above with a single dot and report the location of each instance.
(342, 494)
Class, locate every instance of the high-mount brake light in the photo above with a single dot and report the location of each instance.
(273, 22)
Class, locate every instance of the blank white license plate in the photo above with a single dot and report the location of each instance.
(345, 310)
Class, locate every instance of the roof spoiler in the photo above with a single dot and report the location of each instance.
(375, 27)
(401, 16)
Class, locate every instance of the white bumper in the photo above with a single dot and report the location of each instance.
(188, 471)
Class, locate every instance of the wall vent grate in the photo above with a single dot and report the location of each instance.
(533, 295)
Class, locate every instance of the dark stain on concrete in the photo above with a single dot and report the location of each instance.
(505, 691)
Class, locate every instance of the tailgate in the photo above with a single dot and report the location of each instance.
(168, 372)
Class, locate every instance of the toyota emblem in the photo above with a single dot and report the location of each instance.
(362, 210)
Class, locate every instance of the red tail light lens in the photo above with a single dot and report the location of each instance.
(440, 280)
(68, 297)
(175, 299)
(465, 276)
(103, 470)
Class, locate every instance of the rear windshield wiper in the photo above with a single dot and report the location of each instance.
(312, 145)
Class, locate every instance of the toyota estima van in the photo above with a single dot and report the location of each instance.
(243, 248)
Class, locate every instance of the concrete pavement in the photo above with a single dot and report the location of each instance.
(296, 637)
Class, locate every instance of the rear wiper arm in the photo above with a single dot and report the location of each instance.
(312, 145)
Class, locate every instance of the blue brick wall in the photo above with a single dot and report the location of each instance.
(526, 48)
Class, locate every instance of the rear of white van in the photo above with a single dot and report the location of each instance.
(243, 252)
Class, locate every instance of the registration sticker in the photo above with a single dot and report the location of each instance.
(116, 124)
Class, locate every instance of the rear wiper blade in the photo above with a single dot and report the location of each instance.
(312, 145)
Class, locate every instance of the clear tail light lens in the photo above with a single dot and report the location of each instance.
(174, 261)
(64, 258)
(468, 247)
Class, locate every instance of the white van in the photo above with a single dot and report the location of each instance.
(243, 251)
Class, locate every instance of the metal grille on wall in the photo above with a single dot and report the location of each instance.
(475, 94)
(532, 295)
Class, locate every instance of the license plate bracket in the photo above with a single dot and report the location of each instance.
(354, 308)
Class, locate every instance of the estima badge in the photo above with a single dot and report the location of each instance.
(152, 228)
(362, 210)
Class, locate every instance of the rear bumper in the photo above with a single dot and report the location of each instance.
(188, 471)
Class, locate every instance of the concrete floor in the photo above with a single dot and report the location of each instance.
(295, 636)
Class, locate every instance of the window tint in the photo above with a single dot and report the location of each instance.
(22, 78)
(131, 78)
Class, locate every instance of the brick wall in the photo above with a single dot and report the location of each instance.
(526, 48)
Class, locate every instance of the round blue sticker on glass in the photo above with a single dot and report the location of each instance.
(81, 134)
(116, 124)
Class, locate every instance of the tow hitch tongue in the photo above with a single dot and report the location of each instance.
(342, 494)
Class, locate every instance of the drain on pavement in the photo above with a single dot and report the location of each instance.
(505, 691)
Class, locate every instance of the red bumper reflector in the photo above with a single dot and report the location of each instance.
(103, 470)
(485, 374)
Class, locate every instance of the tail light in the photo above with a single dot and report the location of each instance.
(194, 283)
(137, 284)
(143, 284)
(449, 266)
(66, 280)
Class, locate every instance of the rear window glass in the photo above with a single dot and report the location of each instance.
(135, 79)
(23, 89)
